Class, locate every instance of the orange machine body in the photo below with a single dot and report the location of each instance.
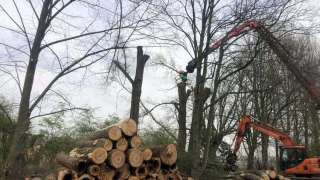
(301, 166)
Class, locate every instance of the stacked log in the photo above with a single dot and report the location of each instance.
(256, 175)
(116, 152)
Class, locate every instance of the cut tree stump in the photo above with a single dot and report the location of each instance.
(116, 158)
(128, 127)
(122, 144)
(73, 163)
(134, 157)
(167, 154)
(112, 132)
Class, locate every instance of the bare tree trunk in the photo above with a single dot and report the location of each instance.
(182, 115)
(17, 148)
(264, 150)
(137, 83)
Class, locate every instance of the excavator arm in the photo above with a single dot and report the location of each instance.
(277, 48)
(244, 125)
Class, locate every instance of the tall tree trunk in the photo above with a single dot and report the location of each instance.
(183, 95)
(264, 150)
(137, 84)
(15, 160)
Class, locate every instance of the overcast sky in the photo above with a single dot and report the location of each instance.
(158, 85)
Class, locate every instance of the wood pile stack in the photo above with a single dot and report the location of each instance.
(256, 175)
(116, 153)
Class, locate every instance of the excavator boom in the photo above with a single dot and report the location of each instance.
(277, 48)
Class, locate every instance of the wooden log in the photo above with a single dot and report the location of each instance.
(128, 127)
(147, 154)
(122, 144)
(167, 154)
(141, 172)
(112, 132)
(135, 142)
(73, 163)
(134, 157)
(101, 142)
(94, 170)
(96, 155)
(154, 165)
(116, 158)
(272, 174)
(107, 174)
(108, 145)
(86, 177)
(65, 174)
(133, 178)
(123, 172)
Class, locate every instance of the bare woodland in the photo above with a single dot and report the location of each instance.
(117, 42)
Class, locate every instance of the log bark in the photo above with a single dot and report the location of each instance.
(73, 163)
(135, 142)
(128, 127)
(167, 154)
(271, 173)
(95, 155)
(147, 154)
(101, 142)
(134, 157)
(116, 158)
(112, 132)
(122, 144)
(250, 176)
(94, 170)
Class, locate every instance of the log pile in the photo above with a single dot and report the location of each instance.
(116, 153)
(256, 175)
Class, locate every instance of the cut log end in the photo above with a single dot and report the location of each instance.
(135, 157)
(98, 155)
(116, 158)
(108, 145)
(123, 172)
(128, 127)
(147, 154)
(114, 133)
(135, 142)
(94, 170)
(122, 144)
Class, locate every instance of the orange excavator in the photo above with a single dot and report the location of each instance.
(293, 157)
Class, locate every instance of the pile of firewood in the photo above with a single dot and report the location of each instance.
(116, 153)
(256, 175)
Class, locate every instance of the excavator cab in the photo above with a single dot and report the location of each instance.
(291, 156)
